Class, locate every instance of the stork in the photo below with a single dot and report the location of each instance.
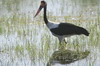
(61, 30)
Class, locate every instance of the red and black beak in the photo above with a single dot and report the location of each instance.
(40, 8)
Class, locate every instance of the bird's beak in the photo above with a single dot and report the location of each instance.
(40, 8)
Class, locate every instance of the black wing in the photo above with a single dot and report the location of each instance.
(69, 29)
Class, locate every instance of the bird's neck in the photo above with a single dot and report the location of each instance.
(45, 16)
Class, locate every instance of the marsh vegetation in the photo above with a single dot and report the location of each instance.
(26, 41)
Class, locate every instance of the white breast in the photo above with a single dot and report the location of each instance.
(52, 25)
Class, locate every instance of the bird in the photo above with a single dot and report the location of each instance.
(61, 30)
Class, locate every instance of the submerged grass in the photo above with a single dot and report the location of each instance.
(31, 42)
(67, 56)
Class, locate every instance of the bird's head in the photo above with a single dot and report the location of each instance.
(42, 5)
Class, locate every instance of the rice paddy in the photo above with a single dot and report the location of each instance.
(26, 41)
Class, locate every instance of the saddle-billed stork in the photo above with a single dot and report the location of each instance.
(61, 30)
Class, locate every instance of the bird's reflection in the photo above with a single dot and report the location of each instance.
(67, 56)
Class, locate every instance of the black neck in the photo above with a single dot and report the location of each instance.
(45, 16)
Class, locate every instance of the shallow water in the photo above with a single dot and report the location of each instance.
(26, 41)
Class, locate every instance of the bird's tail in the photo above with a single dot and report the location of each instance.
(83, 31)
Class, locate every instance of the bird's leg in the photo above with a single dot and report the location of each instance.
(77, 45)
(65, 41)
(60, 42)
(62, 45)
